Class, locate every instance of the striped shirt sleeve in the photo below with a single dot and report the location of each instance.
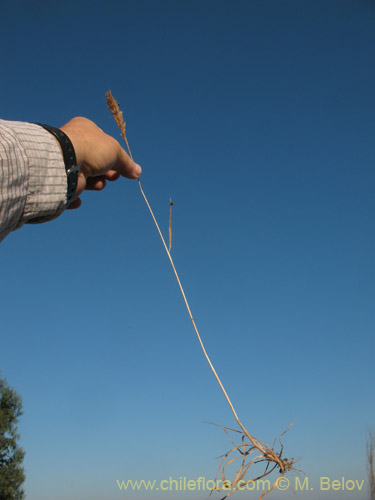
(33, 183)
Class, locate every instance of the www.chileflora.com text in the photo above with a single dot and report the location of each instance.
(324, 483)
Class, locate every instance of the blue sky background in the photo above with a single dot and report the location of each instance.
(257, 118)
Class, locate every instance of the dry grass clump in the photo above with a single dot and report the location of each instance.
(251, 450)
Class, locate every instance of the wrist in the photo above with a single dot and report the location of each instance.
(73, 129)
(70, 160)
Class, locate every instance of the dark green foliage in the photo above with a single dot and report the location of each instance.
(11, 455)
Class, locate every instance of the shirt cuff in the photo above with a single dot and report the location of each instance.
(47, 179)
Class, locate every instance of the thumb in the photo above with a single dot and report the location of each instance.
(125, 166)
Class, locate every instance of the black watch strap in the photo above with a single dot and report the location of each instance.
(70, 160)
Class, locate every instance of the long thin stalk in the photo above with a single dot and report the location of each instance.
(269, 454)
(188, 309)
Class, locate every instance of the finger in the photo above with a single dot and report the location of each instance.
(75, 204)
(126, 167)
(95, 183)
(112, 175)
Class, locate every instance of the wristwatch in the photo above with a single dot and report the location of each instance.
(69, 155)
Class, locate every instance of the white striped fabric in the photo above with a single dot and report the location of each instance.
(33, 182)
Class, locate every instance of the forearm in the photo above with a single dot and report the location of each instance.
(32, 176)
(34, 180)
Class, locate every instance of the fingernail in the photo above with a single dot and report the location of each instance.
(138, 169)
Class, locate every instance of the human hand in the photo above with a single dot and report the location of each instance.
(99, 155)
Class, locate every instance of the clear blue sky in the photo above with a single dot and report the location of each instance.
(257, 118)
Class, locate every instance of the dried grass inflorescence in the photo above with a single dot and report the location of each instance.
(170, 224)
(251, 451)
(118, 116)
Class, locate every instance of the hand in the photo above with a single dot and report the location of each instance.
(99, 155)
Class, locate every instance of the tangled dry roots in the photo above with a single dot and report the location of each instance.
(250, 452)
